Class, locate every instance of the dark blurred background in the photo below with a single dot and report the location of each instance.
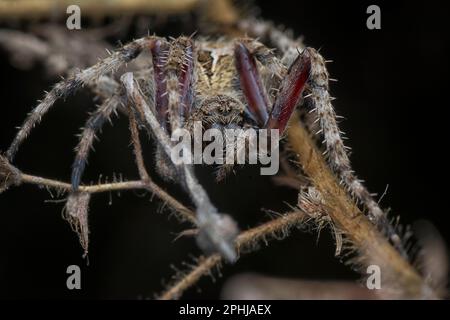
(392, 91)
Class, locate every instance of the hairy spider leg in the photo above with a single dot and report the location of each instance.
(173, 65)
(159, 49)
(94, 123)
(179, 74)
(186, 80)
(69, 86)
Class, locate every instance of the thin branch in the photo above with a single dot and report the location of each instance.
(185, 213)
(98, 188)
(137, 147)
(245, 242)
(9, 175)
(204, 267)
(47, 8)
(371, 245)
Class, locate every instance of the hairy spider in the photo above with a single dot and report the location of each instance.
(225, 83)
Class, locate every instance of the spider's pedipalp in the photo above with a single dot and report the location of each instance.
(173, 65)
(93, 125)
(251, 84)
(291, 91)
(179, 72)
(186, 80)
(67, 87)
(160, 50)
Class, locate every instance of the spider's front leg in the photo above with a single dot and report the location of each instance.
(173, 66)
(69, 86)
(288, 97)
(107, 89)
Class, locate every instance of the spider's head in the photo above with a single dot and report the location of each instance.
(222, 112)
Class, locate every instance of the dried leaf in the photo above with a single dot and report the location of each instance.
(76, 213)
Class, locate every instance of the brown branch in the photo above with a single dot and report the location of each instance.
(137, 147)
(66, 187)
(48, 8)
(10, 176)
(371, 245)
(184, 213)
(245, 242)
(204, 267)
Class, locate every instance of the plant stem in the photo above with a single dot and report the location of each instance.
(245, 242)
(184, 212)
(372, 246)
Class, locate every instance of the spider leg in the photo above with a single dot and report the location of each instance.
(283, 40)
(266, 57)
(174, 76)
(67, 87)
(186, 80)
(87, 137)
(251, 84)
(173, 65)
(337, 152)
(160, 51)
(217, 231)
(291, 92)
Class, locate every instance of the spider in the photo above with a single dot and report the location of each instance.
(224, 83)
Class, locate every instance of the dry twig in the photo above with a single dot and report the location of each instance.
(245, 242)
(47, 8)
(371, 246)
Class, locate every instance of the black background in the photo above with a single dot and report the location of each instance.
(392, 90)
